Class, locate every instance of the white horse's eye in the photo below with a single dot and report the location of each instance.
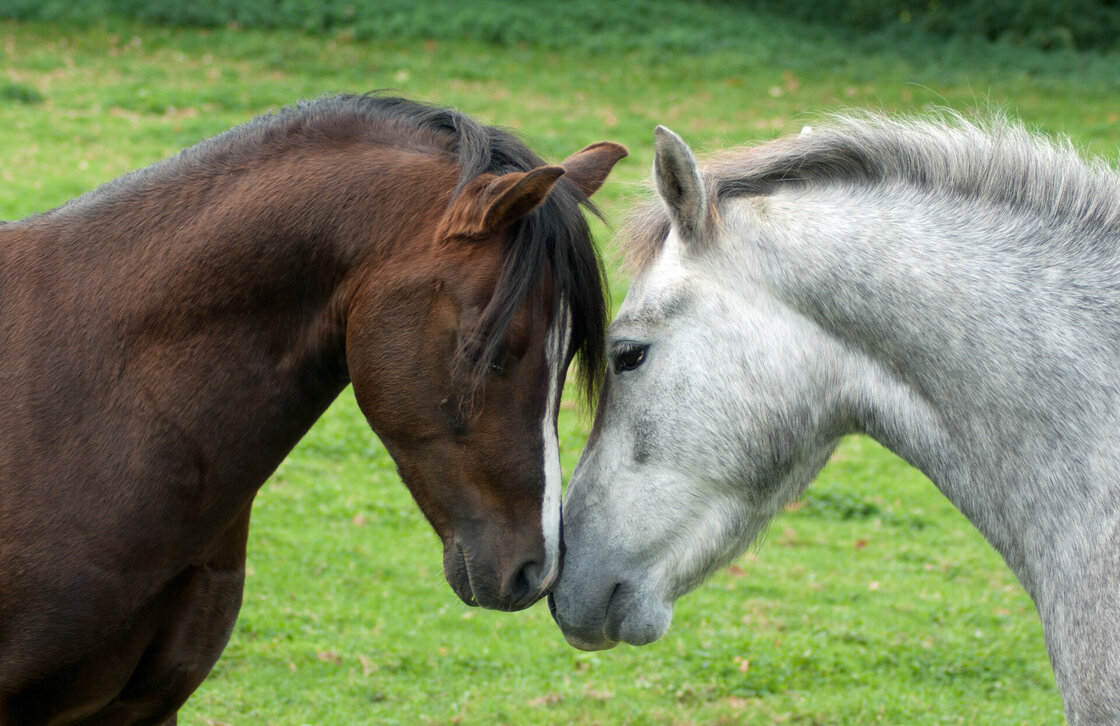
(628, 356)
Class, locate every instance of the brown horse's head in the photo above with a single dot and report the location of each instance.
(458, 356)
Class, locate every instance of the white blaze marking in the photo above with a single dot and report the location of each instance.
(556, 350)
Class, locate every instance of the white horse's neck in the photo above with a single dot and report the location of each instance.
(976, 356)
(984, 352)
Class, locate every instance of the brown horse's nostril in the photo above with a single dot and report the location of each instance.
(524, 581)
(525, 586)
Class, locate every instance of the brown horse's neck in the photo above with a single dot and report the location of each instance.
(212, 313)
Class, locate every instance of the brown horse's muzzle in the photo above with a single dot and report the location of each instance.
(496, 577)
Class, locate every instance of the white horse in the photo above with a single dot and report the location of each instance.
(950, 290)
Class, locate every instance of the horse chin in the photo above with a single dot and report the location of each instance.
(629, 617)
(577, 642)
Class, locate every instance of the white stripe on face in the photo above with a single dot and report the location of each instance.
(556, 350)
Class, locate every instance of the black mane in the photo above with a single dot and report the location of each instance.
(555, 239)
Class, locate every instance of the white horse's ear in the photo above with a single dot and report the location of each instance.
(679, 184)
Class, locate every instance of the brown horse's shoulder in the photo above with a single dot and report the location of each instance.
(173, 626)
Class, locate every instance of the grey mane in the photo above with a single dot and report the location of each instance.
(996, 162)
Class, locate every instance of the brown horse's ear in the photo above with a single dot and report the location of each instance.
(518, 194)
(589, 167)
(490, 204)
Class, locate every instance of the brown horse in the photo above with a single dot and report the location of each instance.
(166, 339)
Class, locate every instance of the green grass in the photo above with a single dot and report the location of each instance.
(871, 601)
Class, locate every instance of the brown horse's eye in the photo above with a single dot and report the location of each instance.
(498, 365)
(628, 356)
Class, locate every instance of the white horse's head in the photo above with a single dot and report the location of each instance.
(718, 410)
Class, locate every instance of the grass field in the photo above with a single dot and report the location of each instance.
(872, 601)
